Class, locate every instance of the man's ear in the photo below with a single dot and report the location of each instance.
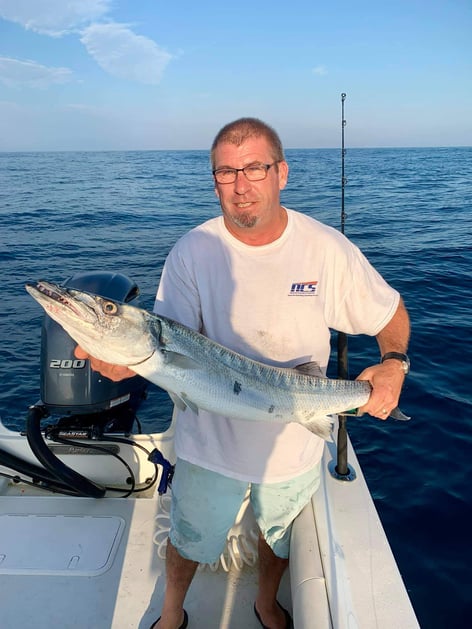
(283, 174)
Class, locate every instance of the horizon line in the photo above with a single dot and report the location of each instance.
(182, 150)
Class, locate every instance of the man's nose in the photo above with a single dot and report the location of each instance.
(242, 184)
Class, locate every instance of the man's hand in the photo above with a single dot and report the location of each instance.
(387, 378)
(113, 372)
(387, 381)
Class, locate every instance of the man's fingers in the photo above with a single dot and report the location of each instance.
(80, 353)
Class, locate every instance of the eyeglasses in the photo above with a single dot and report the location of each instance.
(253, 172)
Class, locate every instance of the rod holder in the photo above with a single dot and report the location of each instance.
(340, 469)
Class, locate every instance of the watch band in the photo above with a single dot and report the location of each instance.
(403, 358)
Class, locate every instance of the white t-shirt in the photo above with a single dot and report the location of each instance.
(275, 303)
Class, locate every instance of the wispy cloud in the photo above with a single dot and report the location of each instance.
(115, 47)
(15, 73)
(53, 17)
(123, 54)
(320, 70)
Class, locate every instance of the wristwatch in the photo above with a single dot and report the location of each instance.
(403, 358)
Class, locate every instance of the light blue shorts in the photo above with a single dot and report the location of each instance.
(205, 505)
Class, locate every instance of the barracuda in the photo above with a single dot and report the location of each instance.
(197, 372)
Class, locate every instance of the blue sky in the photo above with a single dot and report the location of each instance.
(154, 74)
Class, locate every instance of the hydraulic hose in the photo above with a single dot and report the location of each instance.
(83, 486)
(35, 472)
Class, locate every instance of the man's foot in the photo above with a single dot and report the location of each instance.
(288, 618)
(183, 625)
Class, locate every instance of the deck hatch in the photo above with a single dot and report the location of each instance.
(71, 545)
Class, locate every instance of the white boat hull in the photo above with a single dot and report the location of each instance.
(74, 562)
(343, 573)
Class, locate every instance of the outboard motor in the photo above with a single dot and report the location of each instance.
(91, 406)
(69, 386)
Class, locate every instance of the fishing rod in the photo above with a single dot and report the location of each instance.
(343, 154)
(342, 337)
(342, 470)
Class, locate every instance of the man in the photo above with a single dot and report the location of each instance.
(269, 283)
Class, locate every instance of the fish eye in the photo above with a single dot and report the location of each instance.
(110, 308)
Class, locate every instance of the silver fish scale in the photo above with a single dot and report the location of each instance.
(197, 372)
(281, 394)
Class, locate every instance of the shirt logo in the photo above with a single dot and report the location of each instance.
(304, 289)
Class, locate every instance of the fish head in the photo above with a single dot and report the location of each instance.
(108, 330)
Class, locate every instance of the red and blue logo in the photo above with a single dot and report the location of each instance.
(304, 289)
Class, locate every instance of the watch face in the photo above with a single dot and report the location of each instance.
(406, 365)
(403, 358)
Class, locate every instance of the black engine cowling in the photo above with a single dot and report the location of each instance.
(68, 385)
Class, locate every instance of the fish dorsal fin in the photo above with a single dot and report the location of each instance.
(310, 369)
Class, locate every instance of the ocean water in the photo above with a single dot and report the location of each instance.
(410, 211)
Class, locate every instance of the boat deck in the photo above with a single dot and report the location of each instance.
(81, 562)
(84, 563)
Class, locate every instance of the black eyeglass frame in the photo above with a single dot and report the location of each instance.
(235, 171)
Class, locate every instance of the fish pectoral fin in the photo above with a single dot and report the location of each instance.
(178, 402)
(182, 402)
(321, 426)
(192, 406)
(311, 368)
(180, 360)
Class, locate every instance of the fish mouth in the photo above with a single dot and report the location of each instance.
(85, 318)
(47, 293)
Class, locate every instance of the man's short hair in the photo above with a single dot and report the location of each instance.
(238, 131)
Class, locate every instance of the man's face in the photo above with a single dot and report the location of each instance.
(250, 208)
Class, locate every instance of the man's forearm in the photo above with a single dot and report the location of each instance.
(395, 335)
